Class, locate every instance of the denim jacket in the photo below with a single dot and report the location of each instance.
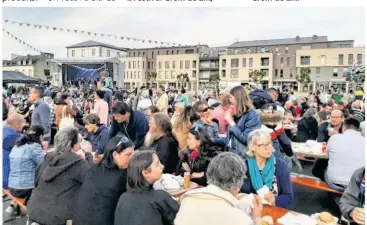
(237, 135)
(212, 130)
(23, 163)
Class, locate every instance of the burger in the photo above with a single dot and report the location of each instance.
(326, 218)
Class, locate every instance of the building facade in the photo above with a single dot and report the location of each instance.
(235, 69)
(169, 66)
(135, 74)
(95, 49)
(329, 66)
(36, 66)
(284, 54)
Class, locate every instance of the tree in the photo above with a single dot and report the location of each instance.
(215, 78)
(257, 75)
(183, 79)
(152, 77)
(304, 77)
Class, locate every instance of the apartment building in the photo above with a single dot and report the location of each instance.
(36, 66)
(169, 66)
(329, 66)
(284, 54)
(235, 69)
(135, 74)
(95, 49)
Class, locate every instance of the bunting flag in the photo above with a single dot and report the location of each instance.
(25, 44)
(135, 39)
(86, 69)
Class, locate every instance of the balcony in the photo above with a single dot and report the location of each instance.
(211, 67)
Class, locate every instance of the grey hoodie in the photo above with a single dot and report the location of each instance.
(58, 180)
(352, 196)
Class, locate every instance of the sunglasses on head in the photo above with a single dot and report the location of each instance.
(122, 141)
(205, 109)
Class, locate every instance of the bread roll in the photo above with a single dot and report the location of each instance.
(326, 217)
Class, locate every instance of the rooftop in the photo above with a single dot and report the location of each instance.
(169, 47)
(284, 41)
(91, 43)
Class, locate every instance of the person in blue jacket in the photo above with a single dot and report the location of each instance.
(132, 124)
(11, 133)
(243, 122)
(97, 134)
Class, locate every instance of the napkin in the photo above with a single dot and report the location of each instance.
(291, 219)
(169, 182)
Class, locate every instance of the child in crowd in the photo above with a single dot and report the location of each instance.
(108, 80)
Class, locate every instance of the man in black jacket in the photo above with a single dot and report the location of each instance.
(132, 123)
(335, 125)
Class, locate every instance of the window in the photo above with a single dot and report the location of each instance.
(134, 54)
(160, 75)
(276, 73)
(159, 65)
(138, 54)
(223, 73)
(359, 59)
(234, 73)
(93, 52)
(323, 60)
(194, 64)
(134, 64)
(30, 62)
(244, 62)
(341, 59)
(305, 47)
(138, 74)
(345, 70)
(167, 52)
(138, 64)
(178, 52)
(166, 65)
(173, 52)
(281, 60)
(109, 54)
(173, 74)
(118, 54)
(317, 70)
(152, 65)
(143, 54)
(234, 63)
(73, 53)
(181, 64)
(187, 64)
(350, 59)
(305, 60)
(264, 61)
(276, 49)
(158, 53)
(166, 75)
(281, 72)
(291, 74)
(286, 50)
(134, 74)
(224, 63)
(129, 65)
(152, 55)
(143, 64)
(250, 62)
(335, 72)
(262, 49)
(148, 65)
(288, 61)
(173, 64)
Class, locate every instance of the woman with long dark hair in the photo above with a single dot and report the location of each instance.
(196, 158)
(141, 204)
(104, 185)
(24, 159)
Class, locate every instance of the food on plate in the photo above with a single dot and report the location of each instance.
(326, 218)
(267, 220)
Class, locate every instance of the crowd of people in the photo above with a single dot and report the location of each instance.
(91, 154)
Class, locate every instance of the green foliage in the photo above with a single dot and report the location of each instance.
(304, 76)
(183, 79)
(257, 75)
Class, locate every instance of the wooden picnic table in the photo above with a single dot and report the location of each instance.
(310, 154)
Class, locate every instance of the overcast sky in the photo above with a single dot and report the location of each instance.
(212, 26)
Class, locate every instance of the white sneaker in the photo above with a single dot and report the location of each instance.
(10, 208)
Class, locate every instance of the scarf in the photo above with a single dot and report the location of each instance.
(266, 177)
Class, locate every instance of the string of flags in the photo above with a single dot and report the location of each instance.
(88, 70)
(23, 42)
(90, 33)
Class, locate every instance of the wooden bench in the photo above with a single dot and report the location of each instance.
(313, 183)
(19, 201)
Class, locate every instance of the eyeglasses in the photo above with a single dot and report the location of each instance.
(265, 145)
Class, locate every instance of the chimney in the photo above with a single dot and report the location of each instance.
(314, 37)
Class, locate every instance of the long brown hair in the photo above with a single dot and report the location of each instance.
(244, 103)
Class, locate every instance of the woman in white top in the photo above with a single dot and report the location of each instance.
(144, 101)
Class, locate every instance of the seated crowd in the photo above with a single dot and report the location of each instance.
(102, 166)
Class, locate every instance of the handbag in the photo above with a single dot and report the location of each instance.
(66, 121)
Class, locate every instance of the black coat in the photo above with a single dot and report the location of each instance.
(149, 207)
(307, 129)
(167, 151)
(323, 132)
(58, 180)
(99, 196)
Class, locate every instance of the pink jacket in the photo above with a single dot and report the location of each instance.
(218, 113)
(101, 109)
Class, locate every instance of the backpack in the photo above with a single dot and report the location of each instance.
(65, 121)
(260, 98)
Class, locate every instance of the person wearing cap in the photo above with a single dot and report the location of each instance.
(104, 185)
